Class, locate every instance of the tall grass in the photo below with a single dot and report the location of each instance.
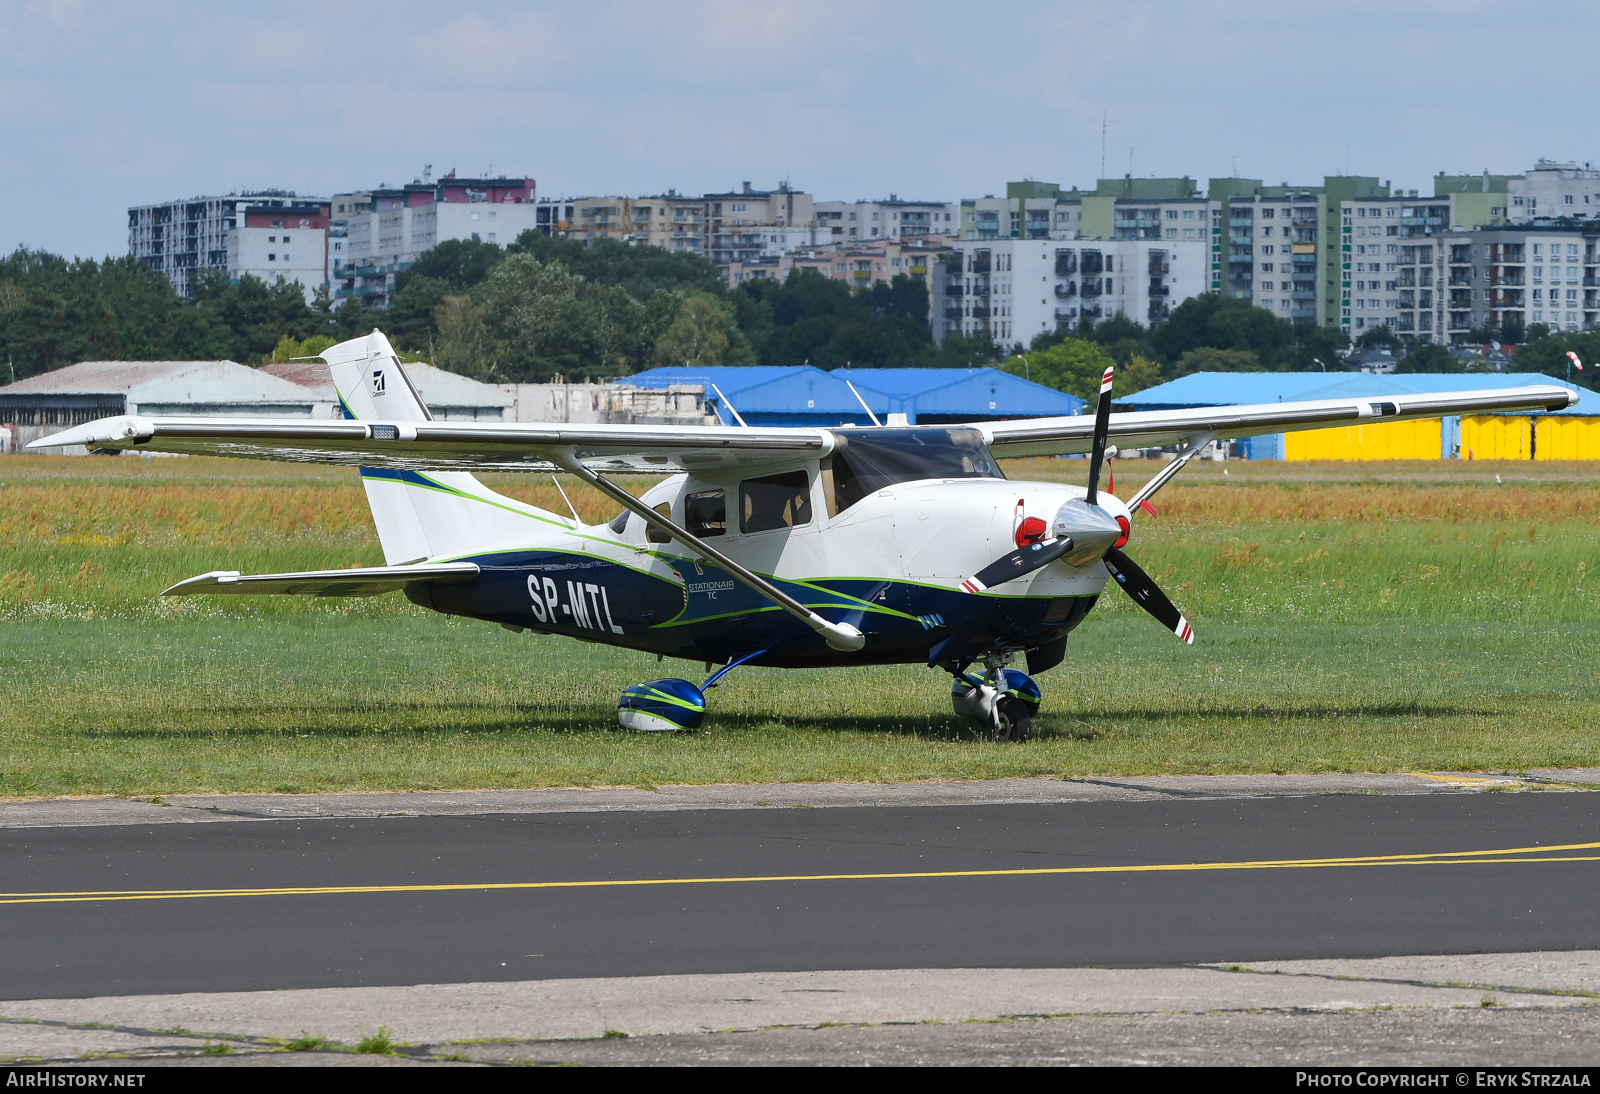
(1349, 618)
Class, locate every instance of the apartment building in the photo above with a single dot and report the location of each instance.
(894, 219)
(1551, 189)
(1545, 271)
(281, 238)
(179, 238)
(1125, 208)
(737, 221)
(1014, 289)
(388, 227)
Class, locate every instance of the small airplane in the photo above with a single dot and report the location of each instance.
(787, 547)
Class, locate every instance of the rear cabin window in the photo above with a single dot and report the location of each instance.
(865, 461)
(706, 513)
(777, 501)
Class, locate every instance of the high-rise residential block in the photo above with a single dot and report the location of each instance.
(1015, 289)
(180, 238)
(893, 219)
(388, 227)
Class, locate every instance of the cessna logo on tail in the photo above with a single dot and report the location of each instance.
(377, 382)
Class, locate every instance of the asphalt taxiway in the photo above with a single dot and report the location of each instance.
(1010, 892)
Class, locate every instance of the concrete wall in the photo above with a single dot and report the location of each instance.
(610, 404)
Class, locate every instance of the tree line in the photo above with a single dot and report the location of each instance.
(544, 307)
(539, 308)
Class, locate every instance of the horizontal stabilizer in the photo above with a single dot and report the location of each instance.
(369, 581)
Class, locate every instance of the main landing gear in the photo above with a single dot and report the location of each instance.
(671, 706)
(1002, 699)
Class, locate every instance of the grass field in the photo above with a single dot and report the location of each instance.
(1350, 617)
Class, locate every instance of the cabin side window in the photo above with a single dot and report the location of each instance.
(776, 501)
(652, 534)
(706, 513)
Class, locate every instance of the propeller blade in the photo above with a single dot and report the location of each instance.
(1137, 584)
(1102, 426)
(1019, 562)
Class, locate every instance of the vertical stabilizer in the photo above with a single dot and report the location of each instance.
(424, 516)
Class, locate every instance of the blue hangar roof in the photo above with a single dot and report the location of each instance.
(805, 395)
(1245, 388)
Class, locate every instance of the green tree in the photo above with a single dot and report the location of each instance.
(1549, 356)
(1215, 321)
(1378, 336)
(1208, 359)
(639, 271)
(545, 320)
(1073, 365)
(696, 338)
(1428, 358)
(463, 339)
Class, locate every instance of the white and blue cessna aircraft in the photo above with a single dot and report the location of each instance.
(768, 546)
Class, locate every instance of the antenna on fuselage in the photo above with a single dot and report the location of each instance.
(863, 402)
(566, 499)
(731, 410)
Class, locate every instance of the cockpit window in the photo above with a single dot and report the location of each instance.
(865, 461)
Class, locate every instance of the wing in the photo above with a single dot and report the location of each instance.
(1149, 429)
(361, 582)
(452, 446)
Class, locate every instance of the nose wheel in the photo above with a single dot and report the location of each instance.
(1002, 700)
(1012, 721)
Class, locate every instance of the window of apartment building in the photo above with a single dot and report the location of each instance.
(1266, 248)
(1572, 250)
(1267, 229)
(1172, 214)
(1188, 214)
(272, 239)
(852, 216)
(1566, 199)
(738, 207)
(1188, 233)
(1266, 267)
(874, 216)
(1172, 233)
(272, 258)
(286, 239)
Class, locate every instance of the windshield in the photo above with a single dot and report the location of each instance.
(864, 461)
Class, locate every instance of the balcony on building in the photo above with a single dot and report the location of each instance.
(980, 311)
(1066, 313)
(1066, 262)
(1066, 289)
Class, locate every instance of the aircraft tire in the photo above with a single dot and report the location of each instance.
(1011, 724)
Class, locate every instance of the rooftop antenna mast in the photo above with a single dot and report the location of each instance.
(1105, 120)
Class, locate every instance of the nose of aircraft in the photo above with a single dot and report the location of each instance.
(1092, 530)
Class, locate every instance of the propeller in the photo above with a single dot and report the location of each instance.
(1085, 533)
(1138, 584)
(1102, 427)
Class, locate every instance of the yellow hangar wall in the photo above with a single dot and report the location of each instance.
(1376, 441)
(1482, 437)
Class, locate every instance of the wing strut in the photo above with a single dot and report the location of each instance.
(841, 636)
(1196, 442)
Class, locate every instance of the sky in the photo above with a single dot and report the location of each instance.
(109, 104)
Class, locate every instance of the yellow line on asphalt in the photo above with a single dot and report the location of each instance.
(1438, 858)
(1470, 780)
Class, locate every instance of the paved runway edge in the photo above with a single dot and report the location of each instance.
(204, 808)
(440, 1016)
